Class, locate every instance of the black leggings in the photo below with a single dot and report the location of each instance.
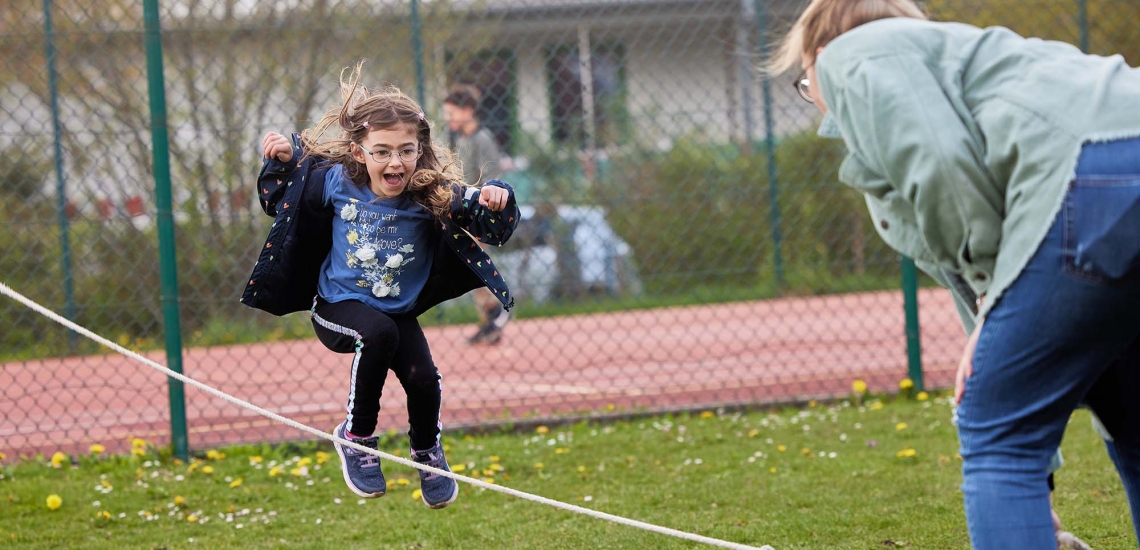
(379, 342)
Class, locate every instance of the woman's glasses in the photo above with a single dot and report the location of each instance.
(803, 87)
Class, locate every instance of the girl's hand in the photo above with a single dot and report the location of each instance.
(276, 145)
(493, 197)
(966, 364)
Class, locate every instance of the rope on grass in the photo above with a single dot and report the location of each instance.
(7, 291)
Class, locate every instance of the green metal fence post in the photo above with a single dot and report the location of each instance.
(770, 147)
(167, 256)
(913, 335)
(1083, 19)
(418, 47)
(60, 180)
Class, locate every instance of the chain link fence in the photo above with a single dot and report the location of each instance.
(685, 241)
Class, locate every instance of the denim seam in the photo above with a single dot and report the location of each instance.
(1069, 265)
(1114, 180)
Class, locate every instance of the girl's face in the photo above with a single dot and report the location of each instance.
(390, 155)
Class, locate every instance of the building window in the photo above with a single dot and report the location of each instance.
(568, 93)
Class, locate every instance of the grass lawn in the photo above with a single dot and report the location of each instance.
(839, 476)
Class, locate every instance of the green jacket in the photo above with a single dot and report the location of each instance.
(480, 156)
(964, 140)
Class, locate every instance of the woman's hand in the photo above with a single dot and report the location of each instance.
(276, 145)
(493, 197)
(966, 364)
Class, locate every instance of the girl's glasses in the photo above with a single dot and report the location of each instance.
(803, 87)
(382, 156)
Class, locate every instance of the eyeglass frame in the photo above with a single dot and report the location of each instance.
(398, 154)
(802, 85)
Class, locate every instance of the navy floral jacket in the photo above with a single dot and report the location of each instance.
(284, 279)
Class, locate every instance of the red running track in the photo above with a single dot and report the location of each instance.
(744, 353)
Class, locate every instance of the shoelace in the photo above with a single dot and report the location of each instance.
(433, 460)
(365, 460)
(369, 461)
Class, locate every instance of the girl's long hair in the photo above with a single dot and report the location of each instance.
(384, 109)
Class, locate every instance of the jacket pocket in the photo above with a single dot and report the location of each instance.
(1102, 227)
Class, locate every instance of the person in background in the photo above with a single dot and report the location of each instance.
(481, 160)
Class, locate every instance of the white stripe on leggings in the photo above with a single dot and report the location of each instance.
(355, 362)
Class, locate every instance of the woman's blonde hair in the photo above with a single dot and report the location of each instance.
(362, 111)
(824, 20)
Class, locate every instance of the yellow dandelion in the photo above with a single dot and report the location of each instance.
(781, 448)
(178, 462)
(538, 465)
(859, 386)
(906, 453)
(811, 404)
(922, 396)
(753, 433)
(611, 407)
(581, 468)
(323, 457)
(900, 426)
(488, 472)
(296, 472)
(494, 458)
(54, 502)
(403, 482)
(772, 469)
(207, 469)
(3, 456)
(58, 459)
(235, 483)
(305, 461)
(497, 467)
(255, 460)
(138, 443)
(96, 448)
(541, 430)
(105, 514)
(490, 480)
(215, 455)
(417, 494)
(561, 451)
(459, 468)
(179, 500)
(906, 384)
(805, 451)
(105, 483)
(193, 466)
(192, 518)
(876, 405)
(275, 471)
(708, 414)
(138, 451)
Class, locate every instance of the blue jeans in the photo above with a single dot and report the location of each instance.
(1066, 332)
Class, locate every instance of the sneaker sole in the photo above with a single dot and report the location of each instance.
(454, 495)
(344, 471)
